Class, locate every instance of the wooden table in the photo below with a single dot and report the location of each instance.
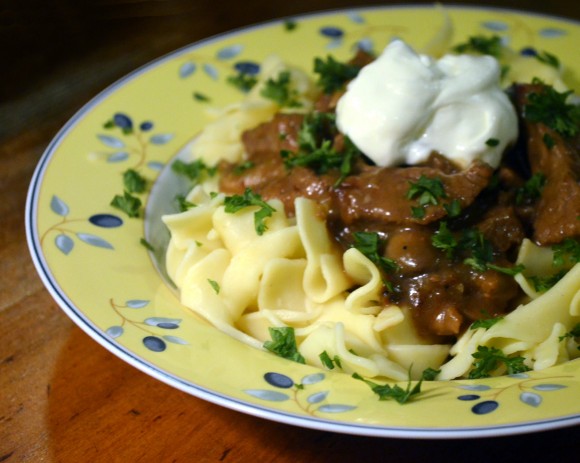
(63, 398)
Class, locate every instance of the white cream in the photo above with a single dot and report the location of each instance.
(403, 106)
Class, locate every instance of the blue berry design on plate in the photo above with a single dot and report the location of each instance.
(155, 329)
(129, 140)
(484, 399)
(312, 402)
(67, 231)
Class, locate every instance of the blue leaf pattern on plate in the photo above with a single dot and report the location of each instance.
(335, 408)
(115, 331)
(264, 394)
(211, 71)
(356, 18)
(58, 206)
(548, 387)
(531, 398)
(94, 241)
(136, 303)
(306, 404)
(334, 44)
(155, 165)
(110, 141)
(229, 52)
(161, 138)
(64, 243)
(175, 340)
(187, 69)
(313, 379)
(475, 387)
(118, 156)
(156, 321)
(317, 397)
(552, 32)
(365, 44)
(519, 376)
(497, 26)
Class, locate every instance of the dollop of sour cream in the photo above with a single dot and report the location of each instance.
(405, 105)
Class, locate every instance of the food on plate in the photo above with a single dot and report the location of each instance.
(401, 214)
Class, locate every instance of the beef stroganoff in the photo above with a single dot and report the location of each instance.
(386, 223)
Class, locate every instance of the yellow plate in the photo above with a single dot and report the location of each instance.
(91, 260)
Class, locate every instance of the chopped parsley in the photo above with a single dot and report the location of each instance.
(134, 182)
(485, 323)
(492, 142)
(196, 171)
(472, 243)
(453, 208)
(215, 285)
(396, 392)
(243, 81)
(506, 270)
(428, 191)
(532, 189)
(316, 151)
(329, 362)
(184, 204)
(283, 344)
(445, 240)
(572, 334)
(549, 107)
(549, 141)
(489, 359)
(290, 25)
(201, 97)
(368, 243)
(333, 75)
(237, 202)
(548, 58)
(127, 203)
(544, 283)
(568, 251)
(280, 91)
(244, 166)
(146, 244)
(482, 45)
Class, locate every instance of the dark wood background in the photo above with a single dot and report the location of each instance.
(63, 398)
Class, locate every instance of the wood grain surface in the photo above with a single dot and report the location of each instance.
(63, 398)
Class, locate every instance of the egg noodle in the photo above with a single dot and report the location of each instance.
(294, 274)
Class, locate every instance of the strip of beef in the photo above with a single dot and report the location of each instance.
(558, 159)
(502, 228)
(379, 195)
(265, 172)
(263, 162)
